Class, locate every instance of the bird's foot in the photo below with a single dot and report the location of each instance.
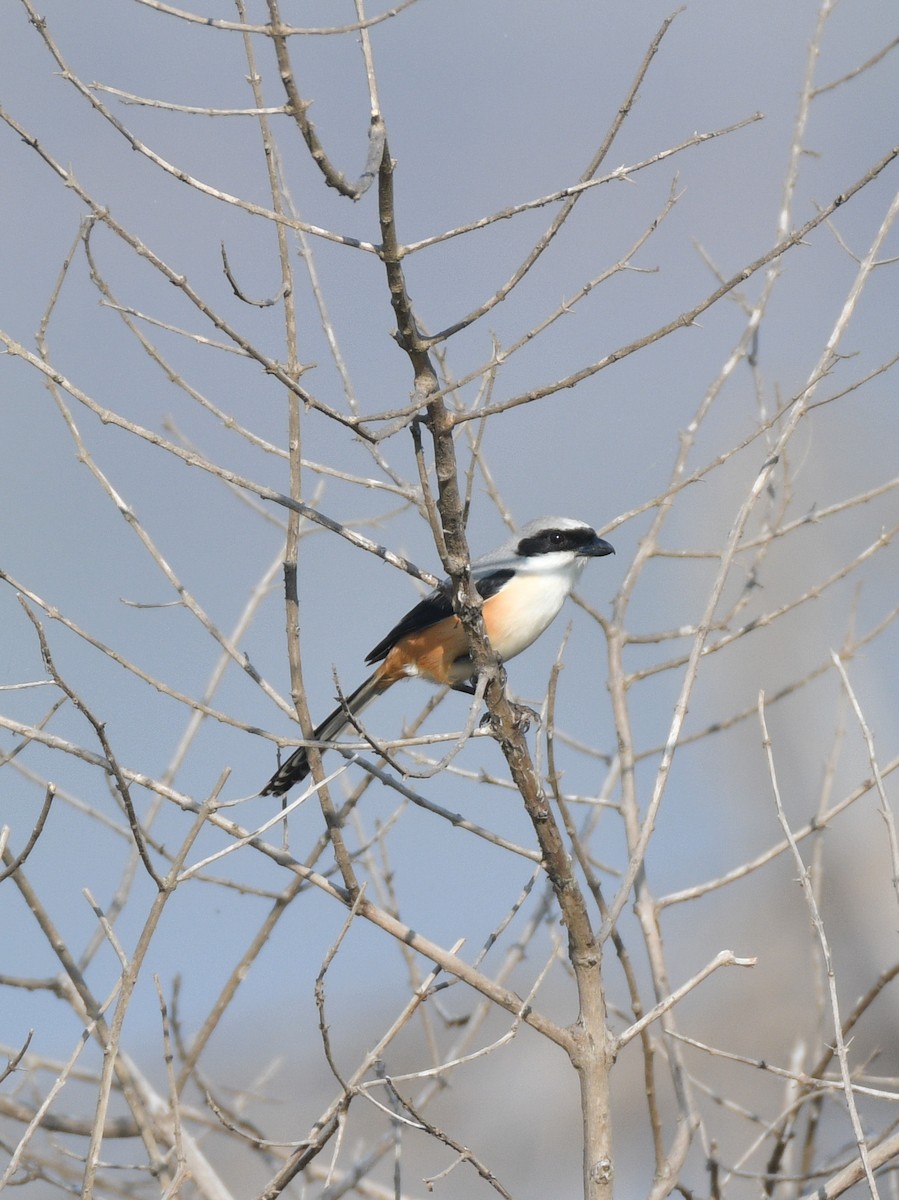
(524, 715)
(489, 724)
(521, 714)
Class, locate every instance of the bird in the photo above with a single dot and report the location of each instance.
(523, 585)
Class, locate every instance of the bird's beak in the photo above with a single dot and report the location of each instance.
(598, 548)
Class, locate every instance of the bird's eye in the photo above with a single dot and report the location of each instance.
(556, 538)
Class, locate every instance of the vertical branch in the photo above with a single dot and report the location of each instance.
(885, 811)
(294, 444)
(591, 1053)
(815, 914)
(298, 109)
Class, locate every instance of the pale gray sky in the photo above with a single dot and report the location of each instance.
(487, 104)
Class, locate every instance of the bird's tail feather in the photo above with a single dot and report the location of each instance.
(297, 767)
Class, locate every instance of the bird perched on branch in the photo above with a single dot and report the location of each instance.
(523, 584)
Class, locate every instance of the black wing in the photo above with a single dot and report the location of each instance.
(436, 606)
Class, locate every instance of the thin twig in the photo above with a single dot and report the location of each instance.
(818, 923)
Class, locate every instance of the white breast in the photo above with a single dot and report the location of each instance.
(519, 612)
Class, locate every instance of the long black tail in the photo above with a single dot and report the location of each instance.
(297, 766)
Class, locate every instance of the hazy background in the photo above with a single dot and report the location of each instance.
(487, 104)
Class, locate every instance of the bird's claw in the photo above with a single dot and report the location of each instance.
(489, 723)
(522, 715)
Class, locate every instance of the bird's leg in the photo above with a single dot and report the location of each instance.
(468, 686)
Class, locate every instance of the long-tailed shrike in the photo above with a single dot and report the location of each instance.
(523, 585)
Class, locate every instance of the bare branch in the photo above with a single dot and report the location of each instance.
(825, 950)
(283, 30)
(726, 958)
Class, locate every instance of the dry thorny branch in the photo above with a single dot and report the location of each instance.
(392, 930)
